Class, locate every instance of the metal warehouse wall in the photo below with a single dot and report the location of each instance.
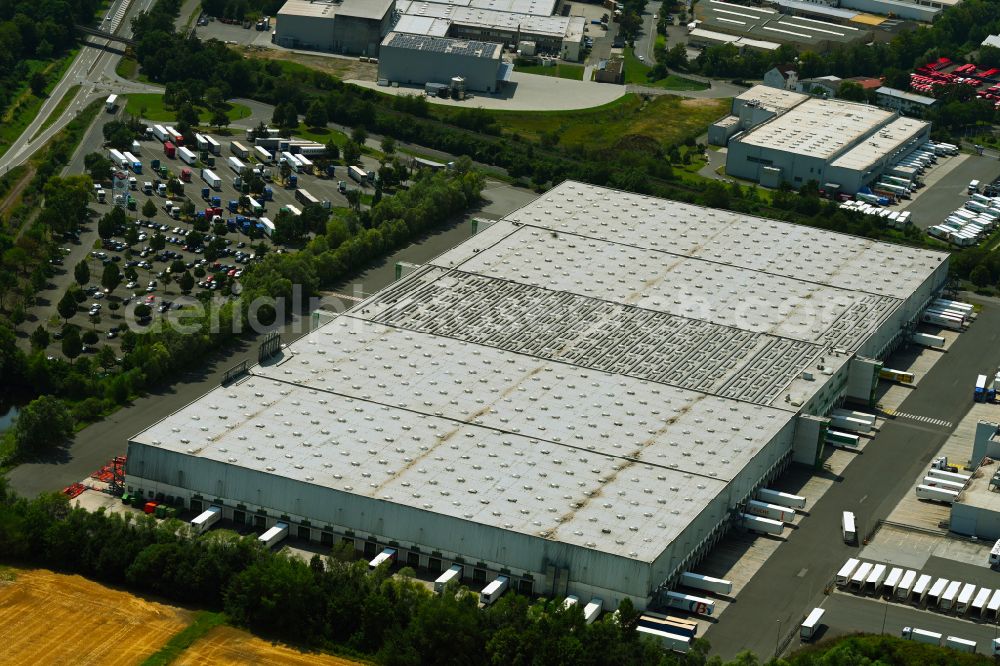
(975, 521)
(308, 32)
(160, 470)
(409, 66)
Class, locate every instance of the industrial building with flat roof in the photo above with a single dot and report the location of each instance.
(580, 397)
(556, 35)
(418, 59)
(844, 146)
(759, 23)
(353, 27)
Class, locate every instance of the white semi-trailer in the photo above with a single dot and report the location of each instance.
(772, 511)
(690, 603)
(494, 590)
(593, 609)
(846, 571)
(921, 636)
(273, 536)
(206, 519)
(454, 573)
(784, 499)
(707, 583)
(762, 525)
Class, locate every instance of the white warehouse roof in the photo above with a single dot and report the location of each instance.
(592, 370)
(818, 128)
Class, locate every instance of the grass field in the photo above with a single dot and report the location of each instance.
(560, 70)
(226, 645)
(666, 119)
(50, 618)
(321, 134)
(156, 111)
(635, 73)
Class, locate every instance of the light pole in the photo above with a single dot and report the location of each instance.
(777, 638)
(884, 614)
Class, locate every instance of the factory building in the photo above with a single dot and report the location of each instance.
(560, 36)
(416, 59)
(351, 27)
(844, 146)
(770, 25)
(581, 397)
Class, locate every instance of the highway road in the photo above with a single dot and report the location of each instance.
(792, 580)
(94, 70)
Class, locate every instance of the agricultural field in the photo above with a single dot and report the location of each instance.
(665, 119)
(50, 618)
(227, 645)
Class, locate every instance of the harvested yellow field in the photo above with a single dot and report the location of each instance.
(50, 618)
(226, 645)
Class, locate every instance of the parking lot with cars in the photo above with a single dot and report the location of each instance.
(183, 232)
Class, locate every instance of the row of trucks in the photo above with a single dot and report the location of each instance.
(968, 225)
(942, 482)
(846, 427)
(946, 313)
(953, 642)
(921, 590)
(894, 219)
(769, 510)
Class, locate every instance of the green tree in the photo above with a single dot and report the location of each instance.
(67, 305)
(44, 424)
(37, 83)
(851, 91)
(158, 241)
(112, 276)
(352, 153)
(980, 276)
(142, 310)
(71, 343)
(388, 145)
(220, 119)
(81, 273)
(186, 282)
(316, 114)
(98, 166)
(90, 337)
(106, 358)
(359, 135)
(132, 234)
(39, 338)
(148, 209)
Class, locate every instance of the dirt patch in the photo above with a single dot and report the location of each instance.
(50, 618)
(342, 68)
(226, 645)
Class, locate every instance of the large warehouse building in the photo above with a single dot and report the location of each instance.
(581, 396)
(418, 59)
(352, 27)
(844, 146)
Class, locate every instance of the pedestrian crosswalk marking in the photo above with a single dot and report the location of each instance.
(925, 419)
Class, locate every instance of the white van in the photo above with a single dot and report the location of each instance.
(973, 187)
(847, 527)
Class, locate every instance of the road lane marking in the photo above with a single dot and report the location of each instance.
(925, 419)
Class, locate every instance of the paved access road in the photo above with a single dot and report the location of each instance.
(792, 580)
(94, 70)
